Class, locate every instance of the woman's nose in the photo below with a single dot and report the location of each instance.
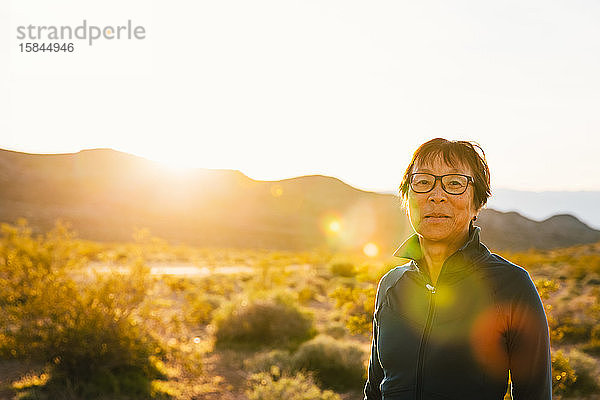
(437, 194)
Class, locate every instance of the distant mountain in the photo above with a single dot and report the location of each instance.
(541, 205)
(106, 194)
(512, 231)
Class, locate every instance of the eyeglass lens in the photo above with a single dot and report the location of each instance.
(454, 184)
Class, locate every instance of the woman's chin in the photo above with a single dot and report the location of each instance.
(435, 235)
(435, 238)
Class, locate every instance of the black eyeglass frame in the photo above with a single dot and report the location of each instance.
(439, 177)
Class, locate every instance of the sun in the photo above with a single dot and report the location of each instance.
(174, 162)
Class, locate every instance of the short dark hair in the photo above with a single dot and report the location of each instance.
(454, 152)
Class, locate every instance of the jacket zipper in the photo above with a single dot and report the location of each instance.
(424, 339)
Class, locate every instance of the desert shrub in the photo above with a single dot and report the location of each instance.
(546, 287)
(91, 250)
(357, 305)
(86, 331)
(270, 361)
(262, 322)
(556, 334)
(106, 332)
(569, 330)
(335, 364)
(201, 307)
(563, 375)
(336, 330)
(123, 383)
(589, 262)
(344, 269)
(584, 367)
(595, 334)
(306, 294)
(532, 258)
(315, 285)
(592, 347)
(578, 272)
(300, 387)
(177, 283)
(575, 333)
(594, 280)
(372, 273)
(218, 284)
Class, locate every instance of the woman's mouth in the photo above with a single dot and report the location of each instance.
(437, 217)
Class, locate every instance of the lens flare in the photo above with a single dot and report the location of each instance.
(487, 344)
(335, 226)
(370, 249)
(276, 190)
(331, 223)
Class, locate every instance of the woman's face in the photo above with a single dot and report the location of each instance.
(437, 215)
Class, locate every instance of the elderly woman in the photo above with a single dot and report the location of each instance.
(455, 320)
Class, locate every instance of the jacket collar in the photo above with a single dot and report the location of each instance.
(461, 261)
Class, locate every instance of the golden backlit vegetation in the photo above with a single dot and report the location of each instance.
(147, 319)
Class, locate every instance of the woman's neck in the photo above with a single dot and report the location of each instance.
(435, 253)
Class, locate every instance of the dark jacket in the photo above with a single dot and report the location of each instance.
(459, 339)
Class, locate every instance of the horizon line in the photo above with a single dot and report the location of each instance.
(190, 168)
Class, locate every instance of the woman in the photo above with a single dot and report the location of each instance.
(453, 322)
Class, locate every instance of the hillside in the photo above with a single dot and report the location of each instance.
(542, 205)
(106, 195)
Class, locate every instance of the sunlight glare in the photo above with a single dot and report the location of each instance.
(371, 250)
(334, 226)
(174, 161)
(276, 190)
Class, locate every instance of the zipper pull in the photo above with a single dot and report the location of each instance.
(430, 288)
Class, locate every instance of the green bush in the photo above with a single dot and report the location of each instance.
(279, 360)
(546, 287)
(345, 269)
(563, 375)
(219, 285)
(336, 330)
(106, 333)
(262, 322)
(301, 387)
(178, 284)
(335, 364)
(306, 294)
(201, 307)
(372, 273)
(595, 334)
(592, 347)
(590, 263)
(584, 367)
(120, 383)
(357, 305)
(573, 331)
(87, 331)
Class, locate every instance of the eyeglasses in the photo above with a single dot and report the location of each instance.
(451, 183)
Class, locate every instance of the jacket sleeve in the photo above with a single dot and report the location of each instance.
(528, 343)
(375, 372)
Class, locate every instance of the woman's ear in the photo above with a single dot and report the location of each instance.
(476, 214)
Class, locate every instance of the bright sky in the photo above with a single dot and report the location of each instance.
(282, 88)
